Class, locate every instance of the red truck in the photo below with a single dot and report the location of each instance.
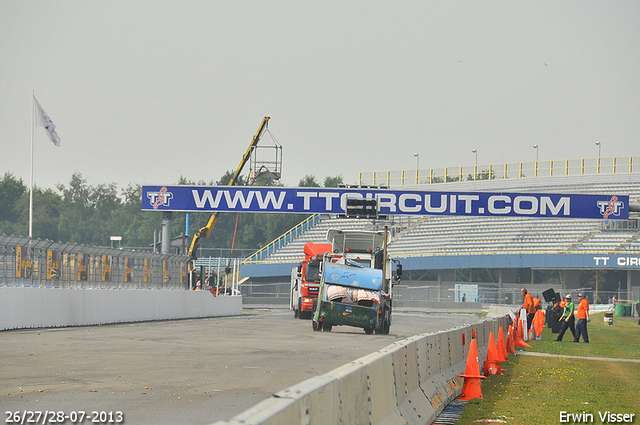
(305, 280)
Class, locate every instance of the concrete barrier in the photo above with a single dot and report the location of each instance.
(22, 307)
(501, 310)
(407, 382)
(438, 306)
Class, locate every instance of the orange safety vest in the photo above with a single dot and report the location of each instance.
(536, 302)
(528, 304)
(583, 307)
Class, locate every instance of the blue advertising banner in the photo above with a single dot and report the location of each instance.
(390, 202)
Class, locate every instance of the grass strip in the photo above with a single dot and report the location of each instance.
(535, 390)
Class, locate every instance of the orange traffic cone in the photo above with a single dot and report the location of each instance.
(492, 364)
(538, 323)
(502, 348)
(520, 338)
(472, 387)
(511, 349)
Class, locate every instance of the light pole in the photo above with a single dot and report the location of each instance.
(536, 166)
(599, 146)
(475, 169)
(417, 165)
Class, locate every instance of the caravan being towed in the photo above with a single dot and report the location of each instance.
(352, 295)
(356, 282)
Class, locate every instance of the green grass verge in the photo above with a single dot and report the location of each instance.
(534, 390)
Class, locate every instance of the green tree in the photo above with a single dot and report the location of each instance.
(183, 181)
(482, 175)
(11, 190)
(75, 210)
(333, 181)
(226, 178)
(308, 181)
(46, 214)
(86, 211)
(129, 221)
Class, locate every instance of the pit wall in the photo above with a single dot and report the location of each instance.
(47, 307)
(408, 382)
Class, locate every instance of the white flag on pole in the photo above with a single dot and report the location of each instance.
(43, 120)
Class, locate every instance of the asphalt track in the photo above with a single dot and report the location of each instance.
(193, 371)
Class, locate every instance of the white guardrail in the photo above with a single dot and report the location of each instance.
(22, 308)
(408, 382)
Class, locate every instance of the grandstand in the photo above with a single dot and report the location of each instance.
(454, 242)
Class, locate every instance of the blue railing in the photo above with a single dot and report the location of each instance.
(284, 239)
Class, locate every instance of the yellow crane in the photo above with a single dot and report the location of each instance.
(205, 231)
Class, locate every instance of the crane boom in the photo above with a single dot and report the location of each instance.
(205, 231)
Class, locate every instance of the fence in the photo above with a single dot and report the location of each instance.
(221, 275)
(431, 291)
(27, 262)
(565, 167)
(416, 291)
(269, 292)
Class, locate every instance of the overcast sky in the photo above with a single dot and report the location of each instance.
(148, 91)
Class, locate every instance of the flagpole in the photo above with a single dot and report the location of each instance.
(33, 124)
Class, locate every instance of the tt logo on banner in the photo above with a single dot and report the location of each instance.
(162, 197)
(611, 207)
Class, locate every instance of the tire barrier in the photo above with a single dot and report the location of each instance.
(408, 382)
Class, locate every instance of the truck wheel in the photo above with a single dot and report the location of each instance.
(299, 311)
(387, 321)
(316, 326)
(368, 331)
(327, 328)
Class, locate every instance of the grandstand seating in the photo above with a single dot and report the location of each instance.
(455, 235)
